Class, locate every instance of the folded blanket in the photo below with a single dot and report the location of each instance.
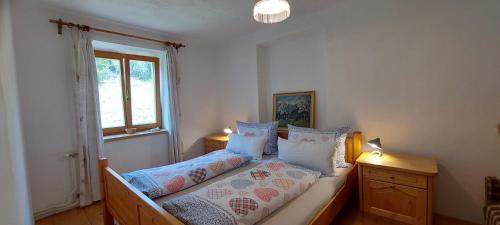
(160, 181)
(244, 198)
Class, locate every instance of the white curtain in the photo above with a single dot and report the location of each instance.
(90, 141)
(170, 102)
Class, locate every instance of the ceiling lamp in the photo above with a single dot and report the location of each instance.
(271, 11)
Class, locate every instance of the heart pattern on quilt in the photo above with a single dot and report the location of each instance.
(266, 194)
(259, 174)
(241, 183)
(234, 161)
(283, 183)
(198, 175)
(218, 193)
(275, 166)
(296, 174)
(217, 167)
(241, 206)
(175, 184)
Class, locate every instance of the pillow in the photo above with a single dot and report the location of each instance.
(246, 145)
(268, 130)
(335, 135)
(312, 155)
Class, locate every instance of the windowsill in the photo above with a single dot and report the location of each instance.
(117, 137)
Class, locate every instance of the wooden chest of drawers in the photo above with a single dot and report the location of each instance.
(216, 142)
(397, 186)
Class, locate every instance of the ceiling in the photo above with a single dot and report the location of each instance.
(214, 20)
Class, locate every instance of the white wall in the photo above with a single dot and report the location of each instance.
(422, 75)
(15, 207)
(237, 98)
(46, 100)
(137, 153)
(197, 97)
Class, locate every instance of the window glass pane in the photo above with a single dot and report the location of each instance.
(110, 92)
(143, 93)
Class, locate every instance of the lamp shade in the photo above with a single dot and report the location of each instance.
(271, 11)
(228, 130)
(375, 143)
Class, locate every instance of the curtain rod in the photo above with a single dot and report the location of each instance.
(60, 24)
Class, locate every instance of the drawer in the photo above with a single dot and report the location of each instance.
(398, 202)
(409, 179)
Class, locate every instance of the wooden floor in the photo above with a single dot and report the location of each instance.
(90, 215)
(350, 215)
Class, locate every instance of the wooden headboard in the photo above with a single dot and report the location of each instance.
(353, 145)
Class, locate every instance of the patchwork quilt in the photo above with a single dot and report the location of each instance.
(244, 198)
(160, 181)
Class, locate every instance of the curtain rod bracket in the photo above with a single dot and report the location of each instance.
(59, 26)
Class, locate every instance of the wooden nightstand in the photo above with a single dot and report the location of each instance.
(397, 186)
(216, 142)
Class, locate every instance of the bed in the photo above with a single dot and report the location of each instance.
(128, 206)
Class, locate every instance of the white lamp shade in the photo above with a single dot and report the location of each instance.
(271, 11)
(228, 130)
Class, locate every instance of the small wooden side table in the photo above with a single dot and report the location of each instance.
(397, 186)
(215, 142)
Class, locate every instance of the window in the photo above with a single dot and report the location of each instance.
(129, 91)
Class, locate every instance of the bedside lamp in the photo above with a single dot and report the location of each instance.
(228, 131)
(375, 144)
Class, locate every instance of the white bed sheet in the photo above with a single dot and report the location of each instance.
(300, 210)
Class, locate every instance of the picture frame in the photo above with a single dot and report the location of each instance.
(295, 108)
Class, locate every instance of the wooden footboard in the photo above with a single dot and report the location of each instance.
(128, 206)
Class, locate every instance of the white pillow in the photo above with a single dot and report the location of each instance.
(312, 155)
(335, 135)
(246, 145)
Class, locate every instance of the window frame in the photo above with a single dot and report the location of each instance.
(126, 90)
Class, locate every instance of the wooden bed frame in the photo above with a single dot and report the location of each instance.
(128, 206)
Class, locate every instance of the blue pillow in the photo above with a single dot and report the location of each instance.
(268, 130)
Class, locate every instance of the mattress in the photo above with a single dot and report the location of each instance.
(300, 210)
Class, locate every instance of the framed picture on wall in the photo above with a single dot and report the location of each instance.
(296, 108)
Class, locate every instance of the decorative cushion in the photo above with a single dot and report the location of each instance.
(335, 135)
(312, 155)
(246, 145)
(268, 130)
